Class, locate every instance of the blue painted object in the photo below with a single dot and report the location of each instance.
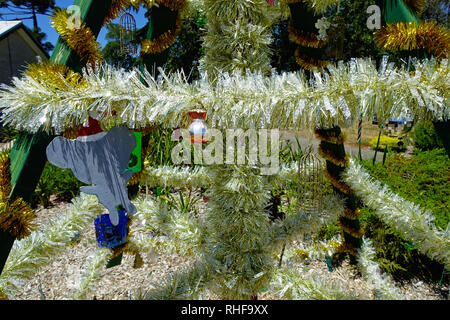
(109, 236)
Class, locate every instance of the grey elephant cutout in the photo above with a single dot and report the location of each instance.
(100, 163)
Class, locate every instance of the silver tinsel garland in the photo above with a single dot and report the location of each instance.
(412, 222)
(252, 100)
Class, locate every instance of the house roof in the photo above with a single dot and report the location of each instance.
(8, 27)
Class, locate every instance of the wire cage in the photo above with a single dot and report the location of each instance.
(127, 32)
(310, 174)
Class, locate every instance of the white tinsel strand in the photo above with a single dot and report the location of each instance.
(244, 101)
(303, 224)
(181, 232)
(291, 284)
(197, 177)
(175, 177)
(37, 250)
(191, 284)
(279, 11)
(239, 233)
(316, 250)
(412, 222)
(91, 273)
(382, 285)
(238, 36)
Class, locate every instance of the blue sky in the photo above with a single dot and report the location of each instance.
(52, 35)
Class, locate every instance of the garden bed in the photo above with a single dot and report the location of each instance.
(61, 278)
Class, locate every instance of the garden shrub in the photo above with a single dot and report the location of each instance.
(395, 255)
(58, 182)
(423, 179)
(425, 137)
(390, 142)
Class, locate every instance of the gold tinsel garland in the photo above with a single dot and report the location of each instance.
(417, 5)
(163, 42)
(81, 40)
(336, 137)
(119, 6)
(55, 76)
(342, 186)
(15, 217)
(353, 232)
(351, 214)
(347, 247)
(331, 137)
(407, 36)
(3, 296)
(129, 247)
(304, 38)
(173, 5)
(328, 155)
(309, 63)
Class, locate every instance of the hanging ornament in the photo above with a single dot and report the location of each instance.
(128, 46)
(198, 129)
(272, 2)
(310, 173)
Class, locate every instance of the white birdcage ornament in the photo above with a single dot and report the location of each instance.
(310, 173)
(127, 31)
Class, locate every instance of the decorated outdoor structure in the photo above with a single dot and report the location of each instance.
(234, 244)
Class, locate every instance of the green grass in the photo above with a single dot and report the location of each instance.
(423, 179)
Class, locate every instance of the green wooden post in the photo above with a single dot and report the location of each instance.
(376, 149)
(28, 153)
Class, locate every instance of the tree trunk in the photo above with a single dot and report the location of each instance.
(35, 23)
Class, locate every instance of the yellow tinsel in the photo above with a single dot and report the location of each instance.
(330, 136)
(353, 232)
(416, 5)
(5, 188)
(351, 214)
(71, 133)
(407, 36)
(309, 63)
(116, 8)
(55, 76)
(129, 247)
(119, 6)
(302, 253)
(3, 296)
(304, 38)
(81, 40)
(328, 155)
(136, 177)
(348, 247)
(339, 184)
(15, 217)
(173, 5)
(163, 42)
